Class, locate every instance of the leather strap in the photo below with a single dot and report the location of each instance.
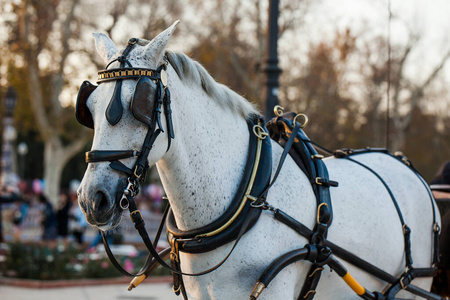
(109, 155)
(406, 229)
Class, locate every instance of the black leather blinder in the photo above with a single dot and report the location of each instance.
(114, 110)
(143, 103)
(82, 113)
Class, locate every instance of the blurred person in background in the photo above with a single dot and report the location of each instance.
(20, 212)
(77, 222)
(49, 223)
(62, 217)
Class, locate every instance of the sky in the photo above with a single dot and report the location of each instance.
(428, 17)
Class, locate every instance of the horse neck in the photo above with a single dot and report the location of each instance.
(202, 171)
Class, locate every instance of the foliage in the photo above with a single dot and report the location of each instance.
(30, 261)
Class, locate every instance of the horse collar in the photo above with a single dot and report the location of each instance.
(226, 228)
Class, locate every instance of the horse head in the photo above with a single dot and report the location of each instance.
(127, 111)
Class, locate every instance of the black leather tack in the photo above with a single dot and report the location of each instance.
(114, 110)
(82, 113)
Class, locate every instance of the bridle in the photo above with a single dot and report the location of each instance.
(142, 108)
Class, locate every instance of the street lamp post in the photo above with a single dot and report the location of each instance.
(271, 69)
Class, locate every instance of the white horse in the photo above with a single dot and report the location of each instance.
(204, 166)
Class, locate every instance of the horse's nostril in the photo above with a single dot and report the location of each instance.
(100, 202)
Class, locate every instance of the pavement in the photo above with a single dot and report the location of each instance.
(155, 290)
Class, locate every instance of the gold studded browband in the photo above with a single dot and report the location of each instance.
(124, 73)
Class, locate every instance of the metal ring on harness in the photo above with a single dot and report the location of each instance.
(260, 132)
(124, 203)
(176, 290)
(278, 110)
(305, 117)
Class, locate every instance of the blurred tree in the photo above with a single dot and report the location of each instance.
(415, 126)
(231, 42)
(40, 36)
(319, 91)
(45, 56)
(406, 92)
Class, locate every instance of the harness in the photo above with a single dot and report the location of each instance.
(322, 253)
(151, 93)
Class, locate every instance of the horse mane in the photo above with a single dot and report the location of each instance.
(189, 69)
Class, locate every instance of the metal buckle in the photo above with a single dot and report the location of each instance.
(135, 212)
(318, 211)
(402, 284)
(260, 132)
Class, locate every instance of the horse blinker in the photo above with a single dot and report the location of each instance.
(143, 105)
(82, 113)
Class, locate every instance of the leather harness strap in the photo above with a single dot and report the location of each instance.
(287, 133)
(320, 252)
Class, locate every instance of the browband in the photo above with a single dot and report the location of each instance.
(125, 73)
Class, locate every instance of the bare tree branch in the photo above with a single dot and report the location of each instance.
(58, 78)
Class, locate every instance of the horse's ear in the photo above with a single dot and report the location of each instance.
(105, 46)
(155, 48)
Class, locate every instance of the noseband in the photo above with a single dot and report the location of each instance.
(143, 107)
